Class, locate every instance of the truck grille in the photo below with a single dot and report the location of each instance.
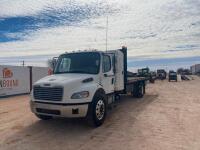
(48, 93)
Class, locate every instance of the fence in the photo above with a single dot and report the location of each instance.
(16, 80)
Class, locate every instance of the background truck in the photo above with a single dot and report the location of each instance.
(172, 76)
(84, 85)
(161, 74)
(144, 72)
(149, 75)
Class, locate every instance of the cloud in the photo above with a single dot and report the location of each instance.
(19, 8)
(180, 48)
(166, 63)
(138, 35)
(17, 60)
(47, 15)
(153, 29)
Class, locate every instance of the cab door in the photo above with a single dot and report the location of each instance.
(107, 73)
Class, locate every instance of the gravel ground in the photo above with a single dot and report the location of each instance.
(167, 118)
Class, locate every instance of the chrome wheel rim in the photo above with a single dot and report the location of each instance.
(100, 109)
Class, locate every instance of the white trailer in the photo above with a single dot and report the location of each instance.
(16, 80)
(195, 69)
(84, 84)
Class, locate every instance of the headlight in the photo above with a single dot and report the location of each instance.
(80, 95)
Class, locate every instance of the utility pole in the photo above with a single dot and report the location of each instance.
(23, 63)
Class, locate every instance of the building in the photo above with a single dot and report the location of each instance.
(195, 69)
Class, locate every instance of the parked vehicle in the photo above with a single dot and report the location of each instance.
(172, 76)
(149, 75)
(152, 77)
(144, 72)
(84, 85)
(183, 71)
(161, 74)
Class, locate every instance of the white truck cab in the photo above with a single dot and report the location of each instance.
(84, 83)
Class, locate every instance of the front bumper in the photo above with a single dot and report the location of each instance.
(60, 110)
(172, 77)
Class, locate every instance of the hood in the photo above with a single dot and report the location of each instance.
(63, 78)
(71, 83)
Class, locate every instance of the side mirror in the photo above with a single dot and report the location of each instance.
(52, 63)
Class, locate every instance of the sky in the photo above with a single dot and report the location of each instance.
(158, 33)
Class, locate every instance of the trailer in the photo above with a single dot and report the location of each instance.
(195, 69)
(84, 84)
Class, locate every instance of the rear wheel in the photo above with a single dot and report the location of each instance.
(43, 117)
(138, 90)
(117, 97)
(97, 111)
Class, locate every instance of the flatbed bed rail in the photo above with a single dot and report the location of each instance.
(131, 80)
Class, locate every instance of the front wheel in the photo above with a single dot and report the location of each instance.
(97, 111)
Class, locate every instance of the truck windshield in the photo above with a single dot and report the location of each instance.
(173, 73)
(160, 71)
(83, 62)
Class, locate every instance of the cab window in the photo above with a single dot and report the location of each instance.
(106, 63)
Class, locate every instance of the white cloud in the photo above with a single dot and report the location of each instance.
(18, 8)
(147, 27)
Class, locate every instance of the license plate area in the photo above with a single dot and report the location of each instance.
(48, 111)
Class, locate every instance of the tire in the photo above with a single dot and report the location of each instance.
(43, 117)
(144, 89)
(117, 97)
(138, 90)
(97, 111)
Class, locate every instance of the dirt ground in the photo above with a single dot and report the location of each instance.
(167, 118)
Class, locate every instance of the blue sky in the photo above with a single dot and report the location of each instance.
(157, 33)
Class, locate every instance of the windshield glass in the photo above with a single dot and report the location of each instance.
(160, 71)
(172, 73)
(84, 62)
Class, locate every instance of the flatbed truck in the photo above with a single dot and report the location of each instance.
(84, 84)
